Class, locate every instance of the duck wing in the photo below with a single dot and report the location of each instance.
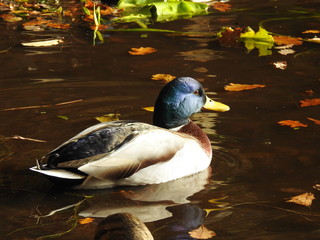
(140, 150)
(93, 142)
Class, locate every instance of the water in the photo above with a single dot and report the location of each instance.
(257, 164)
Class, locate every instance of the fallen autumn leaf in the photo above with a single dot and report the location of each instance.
(292, 123)
(142, 51)
(309, 102)
(165, 78)
(303, 199)
(202, 233)
(240, 87)
(314, 120)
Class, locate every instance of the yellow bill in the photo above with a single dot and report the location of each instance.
(215, 106)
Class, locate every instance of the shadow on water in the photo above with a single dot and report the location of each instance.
(257, 164)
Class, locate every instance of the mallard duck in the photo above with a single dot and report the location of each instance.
(122, 226)
(117, 153)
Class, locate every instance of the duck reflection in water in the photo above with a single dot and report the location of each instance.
(122, 226)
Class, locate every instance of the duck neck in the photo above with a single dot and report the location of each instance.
(195, 131)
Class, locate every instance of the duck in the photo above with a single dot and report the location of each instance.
(122, 226)
(132, 153)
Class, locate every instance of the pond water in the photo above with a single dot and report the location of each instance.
(257, 164)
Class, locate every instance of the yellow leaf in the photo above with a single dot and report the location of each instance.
(109, 117)
(292, 124)
(142, 50)
(303, 199)
(163, 77)
(202, 233)
(149, 109)
(240, 87)
(309, 102)
(85, 220)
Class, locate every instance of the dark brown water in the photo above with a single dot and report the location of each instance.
(257, 164)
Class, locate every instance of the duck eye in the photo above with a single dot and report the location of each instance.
(196, 92)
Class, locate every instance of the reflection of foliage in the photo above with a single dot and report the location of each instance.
(72, 221)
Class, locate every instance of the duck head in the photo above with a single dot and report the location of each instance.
(179, 99)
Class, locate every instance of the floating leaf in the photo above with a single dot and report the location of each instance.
(109, 117)
(25, 138)
(163, 77)
(303, 199)
(45, 43)
(280, 64)
(314, 120)
(149, 109)
(315, 39)
(161, 10)
(310, 92)
(202, 233)
(312, 31)
(292, 123)
(261, 40)
(63, 117)
(317, 187)
(309, 102)
(86, 220)
(229, 37)
(222, 7)
(285, 40)
(142, 51)
(286, 51)
(240, 87)
(10, 18)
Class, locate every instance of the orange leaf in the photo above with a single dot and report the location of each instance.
(292, 124)
(85, 220)
(142, 50)
(202, 233)
(310, 92)
(284, 40)
(163, 77)
(149, 109)
(303, 199)
(222, 7)
(240, 87)
(10, 18)
(309, 102)
(315, 120)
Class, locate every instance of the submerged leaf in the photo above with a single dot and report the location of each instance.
(240, 87)
(303, 199)
(142, 51)
(309, 102)
(202, 233)
(292, 123)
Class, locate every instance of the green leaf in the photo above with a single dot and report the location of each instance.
(261, 40)
(63, 117)
(160, 11)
